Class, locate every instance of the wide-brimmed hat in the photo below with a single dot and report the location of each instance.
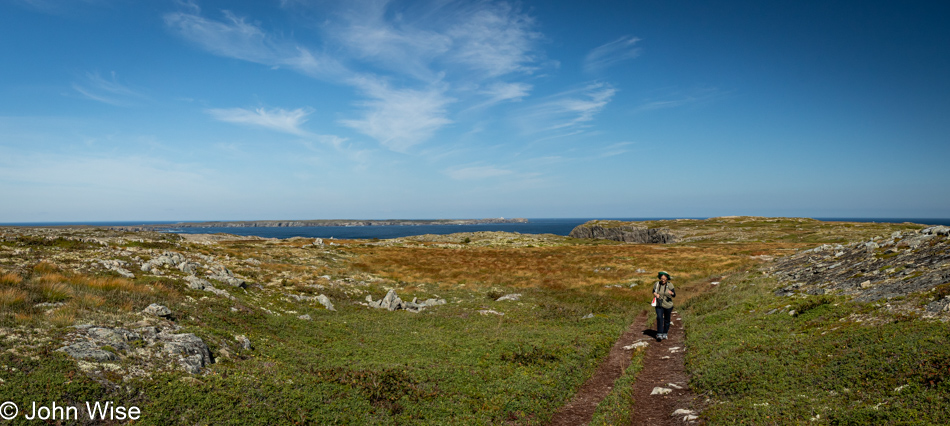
(662, 273)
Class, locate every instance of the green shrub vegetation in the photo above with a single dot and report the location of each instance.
(833, 362)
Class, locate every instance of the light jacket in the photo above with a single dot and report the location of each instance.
(665, 300)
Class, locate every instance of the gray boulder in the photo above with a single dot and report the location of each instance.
(157, 310)
(325, 301)
(243, 341)
(193, 353)
(197, 283)
(118, 338)
(392, 302)
(936, 230)
(514, 296)
(87, 350)
(188, 267)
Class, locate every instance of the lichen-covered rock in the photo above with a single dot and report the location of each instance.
(87, 351)
(325, 301)
(193, 353)
(514, 296)
(118, 338)
(392, 302)
(909, 262)
(243, 341)
(157, 310)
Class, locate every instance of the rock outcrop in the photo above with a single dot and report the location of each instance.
(148, 345)
(392, 302)
(626, 232)
(882, 268)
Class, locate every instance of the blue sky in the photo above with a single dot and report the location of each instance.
(295, 109)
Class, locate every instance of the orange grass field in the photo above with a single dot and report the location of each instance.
(568, 266)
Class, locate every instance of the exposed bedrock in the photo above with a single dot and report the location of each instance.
(625, 233)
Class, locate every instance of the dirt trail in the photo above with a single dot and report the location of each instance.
(663, 368)
(580, 409)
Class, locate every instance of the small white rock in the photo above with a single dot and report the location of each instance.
(660, 391)
(636, 346)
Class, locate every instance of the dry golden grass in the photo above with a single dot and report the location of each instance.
(569, 266)
(45, 267)
(50, 278)
(11, 297)
(62, 317)
(88, 301)
(112, 283)
(55, 291)
(10, 279)
(23, 317)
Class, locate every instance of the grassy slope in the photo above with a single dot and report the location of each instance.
(833, 362)
(357, 366)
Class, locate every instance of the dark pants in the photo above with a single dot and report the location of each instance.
(663, 320)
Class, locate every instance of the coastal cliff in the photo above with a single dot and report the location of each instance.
(623, 231)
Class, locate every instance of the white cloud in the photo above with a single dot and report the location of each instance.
(570, 109)
(496, 40)
(499, 92)
(392, 44)
(399, 118)
(477, 172)
(236, 38)
(460, 46)
(108, 91)
(277, 119)
(611, 53)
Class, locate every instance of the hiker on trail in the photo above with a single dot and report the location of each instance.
(664, 292)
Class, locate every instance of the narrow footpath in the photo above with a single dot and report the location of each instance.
(580, 409)
(661, 394)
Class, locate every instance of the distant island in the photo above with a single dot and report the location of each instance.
(329, 222)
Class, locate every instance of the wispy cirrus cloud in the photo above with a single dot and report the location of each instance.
(568, 110)
(495, 39)
(461, 46)
(276, 119)
(234, 37)
(281, 120)
(681, 99)
(611, 53)
(399, 118)
(499, 92)
(106, 90)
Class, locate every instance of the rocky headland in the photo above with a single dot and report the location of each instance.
(628, 232)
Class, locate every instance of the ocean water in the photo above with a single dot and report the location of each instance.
(534, 226)
(561, 226)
